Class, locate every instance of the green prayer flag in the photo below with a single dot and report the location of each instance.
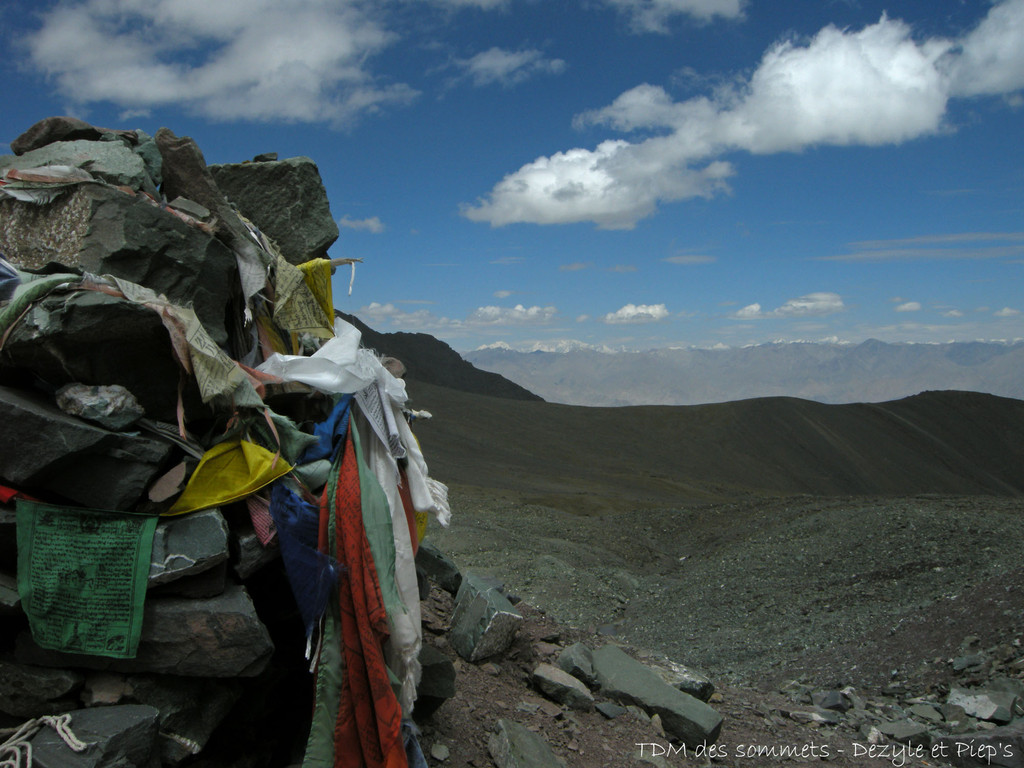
(82, 577)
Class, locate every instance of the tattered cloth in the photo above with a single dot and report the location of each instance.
(369, 716)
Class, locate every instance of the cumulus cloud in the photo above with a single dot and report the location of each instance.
(517, 315)
(873, 86)
(372, 224)
(1007, 312)
(654, 15)
(302, 61)
(811, 305)
(909, 306)
(637, 313)
(507, 68)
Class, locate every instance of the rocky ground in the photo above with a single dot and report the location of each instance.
(894, 599)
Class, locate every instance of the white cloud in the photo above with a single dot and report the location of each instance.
(688, 259)
(502, 294)
(873, 86)
(811, 305)
(1007, 312)
(507, 68)
(637, 313)
(909, 306)
(991, 59)
(372, 224)
(517, 315)
(953, 313)
(303, 61)
(654, 15)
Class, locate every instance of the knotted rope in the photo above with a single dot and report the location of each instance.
(16, 752)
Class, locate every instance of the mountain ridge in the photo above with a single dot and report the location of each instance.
(872, 371)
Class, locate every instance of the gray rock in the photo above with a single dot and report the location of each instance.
(248, 555)
(51, 129)
(112, 161)
(49, 343)
(513, 746)
(10, 600)
(107, 232)
(187, 545)
(830, 700)
(484, 622)
(437, 681)
(995, 706)
(578, 661)
(28, 691)
(439, 567)
(610, 709)
(679, 676)
(816, 715)
(1002, 747)
(562, 687)
(906, 732)
(118, 737)
(45, 449)
(925, 711)
(190, 710)
(626, 680)
(218, 637)
(286, 199)
(111, 406)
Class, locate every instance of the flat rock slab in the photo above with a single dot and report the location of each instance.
(216, 637)
(28, 691)
(118, 737)
(513, 746)
(626, 680)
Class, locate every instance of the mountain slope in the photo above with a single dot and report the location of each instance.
(936, 443)
(430, 360)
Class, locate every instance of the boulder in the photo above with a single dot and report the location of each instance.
(513, 746)
(995, 706)
(107, 232)
(484, 623)
(438, 567)
(437, 681)
(27, 691)
(49, 341)
(117, 737)
(627, 681)
(562, 687)
(51, 129)
(190, 710)
(286, 199)
(188, 545)
(45, 449)
(578, 661)
(216, 637)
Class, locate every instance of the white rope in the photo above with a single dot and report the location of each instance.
(16, 752)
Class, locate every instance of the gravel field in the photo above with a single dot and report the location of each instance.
(748, 591)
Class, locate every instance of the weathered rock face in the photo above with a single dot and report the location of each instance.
(108, 232)
(484, 622)
(44, 448)
(111, 161)
(303, 228)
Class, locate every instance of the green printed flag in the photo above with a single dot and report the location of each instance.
(82, 577)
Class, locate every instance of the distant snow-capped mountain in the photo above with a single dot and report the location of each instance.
(872, 371)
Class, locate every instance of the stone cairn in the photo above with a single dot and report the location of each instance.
(140, 292)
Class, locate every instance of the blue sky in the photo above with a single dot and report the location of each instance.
(629, 173)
